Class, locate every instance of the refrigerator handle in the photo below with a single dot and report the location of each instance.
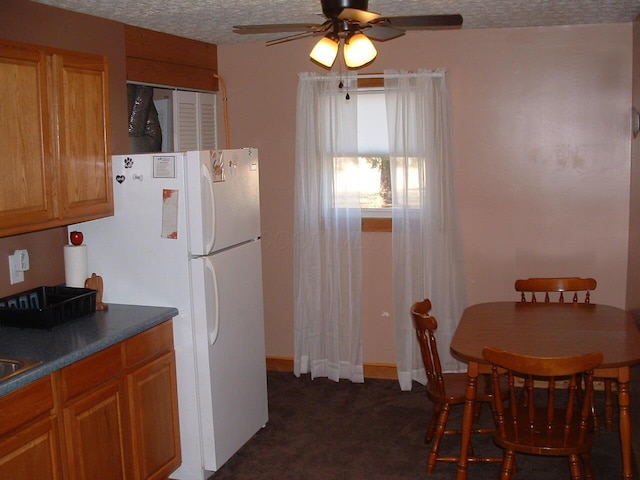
(207, 184)
(213, 330)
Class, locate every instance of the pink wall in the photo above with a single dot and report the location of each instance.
(542, 154)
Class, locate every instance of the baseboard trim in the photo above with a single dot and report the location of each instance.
(389, 371)
(385, 371)
(280, 364)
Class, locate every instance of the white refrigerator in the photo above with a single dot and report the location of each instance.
(186, 234)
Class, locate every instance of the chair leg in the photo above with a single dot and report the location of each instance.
(574, 467)
(608, 405)
(441, 425)
(437, 408)
(506, 470)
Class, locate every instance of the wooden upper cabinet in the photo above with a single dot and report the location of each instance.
(83, 123)
(26, 195)
(54, 129)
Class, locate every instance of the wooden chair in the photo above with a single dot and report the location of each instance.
(559, 285)
(558, 425)
(444, 389)
(574, 285)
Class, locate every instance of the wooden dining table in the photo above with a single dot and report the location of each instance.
(549, 330)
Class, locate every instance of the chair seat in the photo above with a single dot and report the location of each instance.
(537, 440)
(455, 386)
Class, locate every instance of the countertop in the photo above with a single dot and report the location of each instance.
(72, 341)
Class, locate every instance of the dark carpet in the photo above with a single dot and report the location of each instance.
(323, 430)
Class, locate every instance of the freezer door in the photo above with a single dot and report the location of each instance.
(223, 199)
(231, 364)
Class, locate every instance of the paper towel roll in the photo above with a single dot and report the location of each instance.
(76, 270)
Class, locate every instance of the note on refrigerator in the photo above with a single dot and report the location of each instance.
(169, 213)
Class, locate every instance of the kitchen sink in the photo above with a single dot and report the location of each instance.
(13, 366)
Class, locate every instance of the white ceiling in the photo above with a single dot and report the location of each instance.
(212, 20)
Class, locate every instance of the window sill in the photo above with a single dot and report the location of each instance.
(372, 224)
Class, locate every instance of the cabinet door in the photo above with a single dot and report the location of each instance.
(26, 190)
(81, 86)
(95, 440)
(153, 408)
(31, 453)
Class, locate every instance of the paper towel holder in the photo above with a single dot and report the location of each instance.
(95, 283)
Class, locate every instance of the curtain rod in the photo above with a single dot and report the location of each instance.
(388, 74)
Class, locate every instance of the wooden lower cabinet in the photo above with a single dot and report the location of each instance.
(95, 434)
(29, 437)
(111, 416)
(154, 418)
(31, 453)
(125, 424)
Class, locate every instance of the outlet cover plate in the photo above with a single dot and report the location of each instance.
(15, 275)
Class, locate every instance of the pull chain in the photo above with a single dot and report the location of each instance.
(341, 84)
(348, 97)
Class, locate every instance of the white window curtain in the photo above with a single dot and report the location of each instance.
(327, 248)
(427, 248)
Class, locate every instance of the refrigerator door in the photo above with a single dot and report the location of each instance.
(224, 209)
(231, 365)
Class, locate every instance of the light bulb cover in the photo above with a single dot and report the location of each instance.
(325, 51)
(358, 51)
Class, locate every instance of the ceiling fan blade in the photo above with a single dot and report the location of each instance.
(417, 22)
(276, 28)
(382, 33)
(361, 16)
(295, 36)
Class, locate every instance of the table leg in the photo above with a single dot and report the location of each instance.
(467, 419)
(625, 421)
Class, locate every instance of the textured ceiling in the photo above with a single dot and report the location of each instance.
(212, 20)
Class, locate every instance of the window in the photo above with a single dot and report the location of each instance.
(372, 178)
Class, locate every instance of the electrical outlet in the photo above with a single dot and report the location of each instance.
(18, 264)
(15, 274)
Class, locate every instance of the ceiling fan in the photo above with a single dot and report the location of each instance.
(349, 22)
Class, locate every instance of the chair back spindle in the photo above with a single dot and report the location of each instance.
(561, 285)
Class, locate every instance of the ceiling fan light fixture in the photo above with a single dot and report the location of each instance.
(326, 50)
(358, 50)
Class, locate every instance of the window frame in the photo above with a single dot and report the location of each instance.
(377, 224)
